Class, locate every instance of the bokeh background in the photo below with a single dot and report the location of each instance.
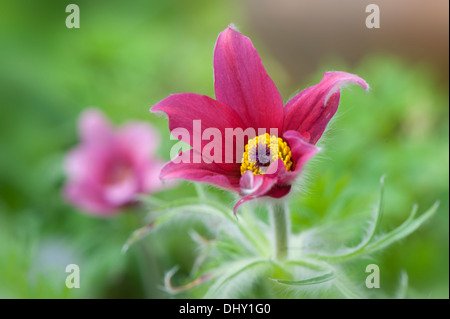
(127, 56)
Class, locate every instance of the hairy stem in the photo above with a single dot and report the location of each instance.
(279, 215)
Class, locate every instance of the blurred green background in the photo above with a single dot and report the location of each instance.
(126, 57)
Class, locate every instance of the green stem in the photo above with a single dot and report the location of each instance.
(279, 214)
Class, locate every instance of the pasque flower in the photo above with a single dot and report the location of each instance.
(111, 166)
(246, 97)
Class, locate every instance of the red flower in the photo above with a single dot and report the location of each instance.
(246, 97)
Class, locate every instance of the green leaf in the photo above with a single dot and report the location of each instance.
(369, 245)
(161, 215)
(408, 227)
(308, 263)
(345, 290)
(370, 235)
(346, 286)
(235, 276)
(137, 235)
(310, 281)
(150, 201)
(177, 289)
(192, 208)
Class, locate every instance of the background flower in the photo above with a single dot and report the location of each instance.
(111, 166)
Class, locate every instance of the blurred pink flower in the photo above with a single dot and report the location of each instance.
(246, 97)
(111, 166)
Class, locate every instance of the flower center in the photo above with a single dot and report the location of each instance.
(263, 150)
(118, 173)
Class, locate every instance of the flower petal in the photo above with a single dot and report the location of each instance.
(278, 191)
(254, 186)
(89, 198)
(241, 82)
(140, 138)
(301, 152)
(121, 192)
(209, 173)
(150, 181)
(183, 109)
(310, 111)
(94, 126)
(86, 161)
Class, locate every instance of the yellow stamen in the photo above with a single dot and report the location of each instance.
(263, 150)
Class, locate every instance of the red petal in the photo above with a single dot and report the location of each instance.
(183, 109)
(242, 82)
(310, 111)
(301, 152)
(254, 186)
(278, 191)
(209, 173)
